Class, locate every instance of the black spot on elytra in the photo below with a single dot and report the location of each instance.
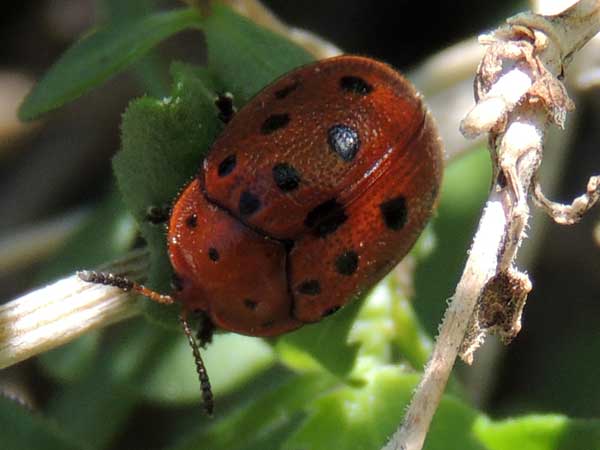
(249, 203)
(250, 304)
(191, 221)
(395, 213)
(287, 90)
(346, 263)
(309, 287)
(226, 166)
(268, 324)
(286, 177)
(325, 218)
(274, 122)
(213, 254)
(330, 311)
(344, 141)
(355, 85)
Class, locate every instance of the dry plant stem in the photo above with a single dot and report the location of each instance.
(430, 390)
(569, 30)
(518, 95)
(58, 313)
(568, 214)
(488, 250)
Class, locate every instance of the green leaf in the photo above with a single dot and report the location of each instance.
(364, 417)
(267, 417)
(539, 432)
(163, 143)
(233, 42)
(94, 410)
(246, 57)
(231, 360)
(150, 71)
(119, 10)
(152, 74)
(325, 343)
(389, 319)
(101, 54)
(23, 430)
(105, 234)
(72, 361)
(410, 337)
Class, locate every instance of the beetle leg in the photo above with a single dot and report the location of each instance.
(158, 214)
(206, 330)
(224, 102)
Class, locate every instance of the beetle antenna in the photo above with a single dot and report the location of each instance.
(125, 284)
(207, 395)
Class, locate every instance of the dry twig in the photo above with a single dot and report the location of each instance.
(58, 313)
(519, 92)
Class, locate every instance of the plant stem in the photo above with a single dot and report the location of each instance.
(58, 313)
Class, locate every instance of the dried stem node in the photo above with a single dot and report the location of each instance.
(568, 214)
(519, 92)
